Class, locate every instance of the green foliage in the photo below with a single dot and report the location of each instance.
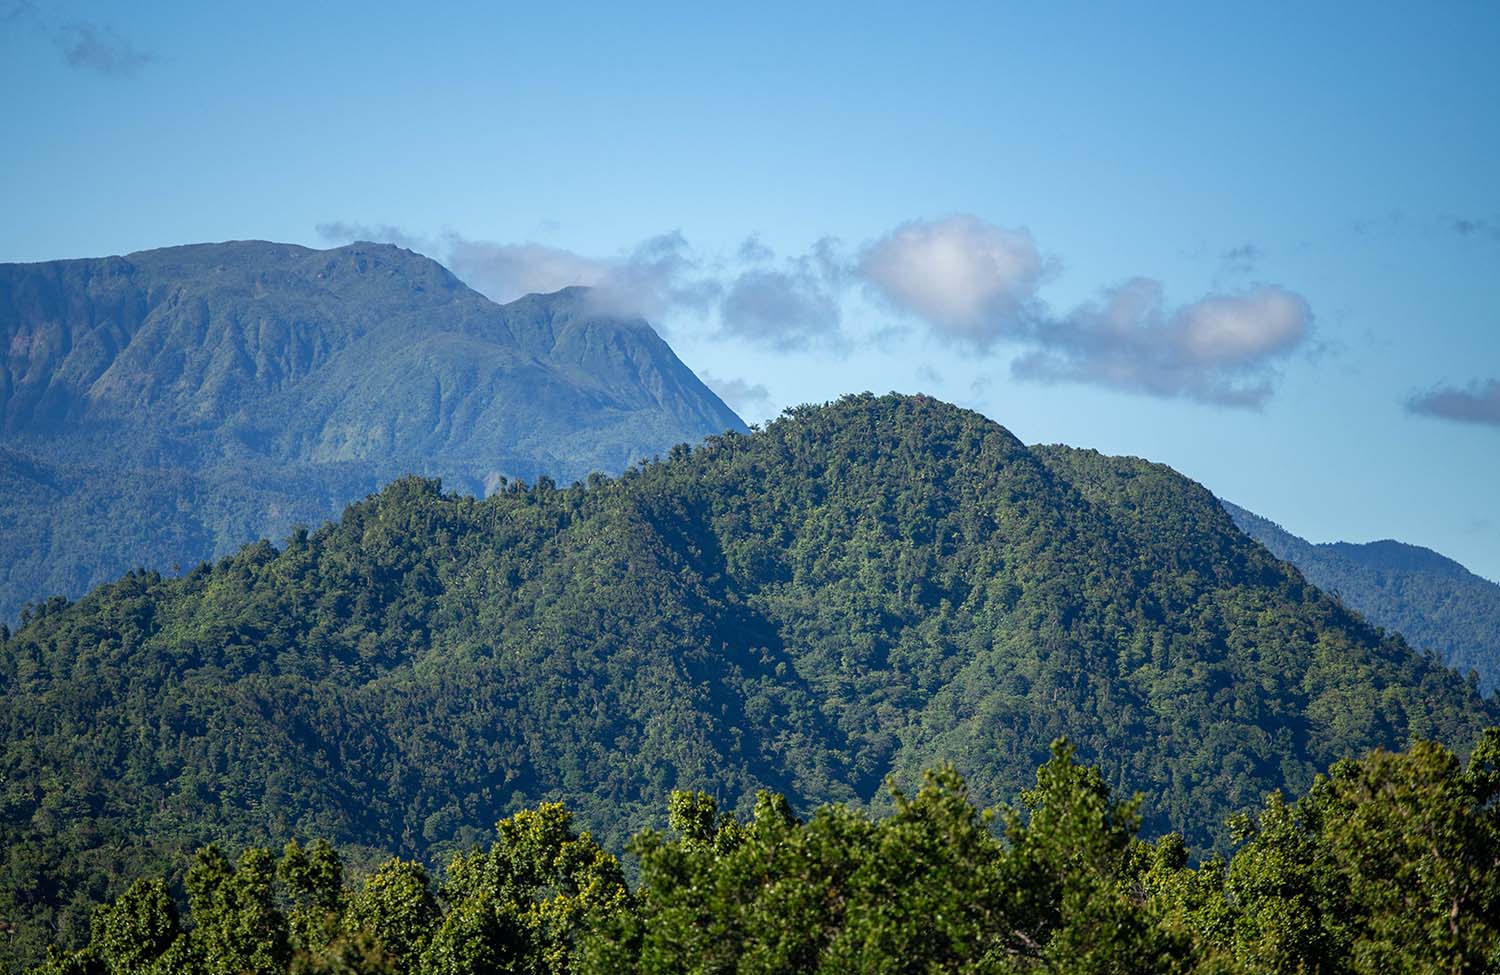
(314, 882)
(355, 953)
(838, 893)
(520, 905)
(137, 929)
(859, 591)
(1073, 906)
(397, 912)
(1388, 864)
(238, 925)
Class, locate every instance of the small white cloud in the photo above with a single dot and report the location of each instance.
(656, 277)
(1479, 403)
(1243, 330)
(972, 281)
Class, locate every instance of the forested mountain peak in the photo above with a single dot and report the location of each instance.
(856, 592)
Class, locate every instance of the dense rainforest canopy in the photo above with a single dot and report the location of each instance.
(858, 592)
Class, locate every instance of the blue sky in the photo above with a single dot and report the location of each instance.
(1259, 243)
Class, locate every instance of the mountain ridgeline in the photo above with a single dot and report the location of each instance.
(169, 406)
(859, 591)
(1430, 599)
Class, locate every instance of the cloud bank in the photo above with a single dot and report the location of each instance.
(965, 281)
(1479, 403)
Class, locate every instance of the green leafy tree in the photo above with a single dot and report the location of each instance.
(313, 882)
(1390, 863)
(132, 934)
(238, 929)
(1072, 866)
(397, 912)
(522, 904)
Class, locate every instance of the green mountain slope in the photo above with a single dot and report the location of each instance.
(860, 590)
(168, 406)
(1431, 600)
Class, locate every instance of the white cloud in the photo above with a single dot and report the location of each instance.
(971, 281)
(1242, 330)
(655, 277)
(1219, 349)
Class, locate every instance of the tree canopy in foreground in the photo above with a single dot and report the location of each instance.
(1388, 864)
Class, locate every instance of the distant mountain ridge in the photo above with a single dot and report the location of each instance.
(209, 369)
(1433, 601)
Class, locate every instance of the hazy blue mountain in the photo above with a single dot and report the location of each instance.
(167, 406)
(1430, 599)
